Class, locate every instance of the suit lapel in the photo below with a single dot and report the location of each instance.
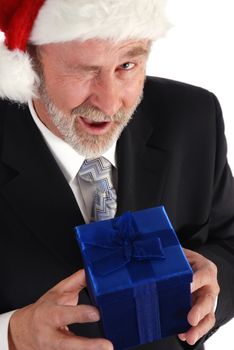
(142, 168)
(38, 192)
(142, 173)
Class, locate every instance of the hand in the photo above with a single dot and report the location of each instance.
(205, 290)
(43, 325)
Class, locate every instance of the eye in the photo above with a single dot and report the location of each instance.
(127, 65)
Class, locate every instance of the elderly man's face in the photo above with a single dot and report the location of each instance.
(89, 90)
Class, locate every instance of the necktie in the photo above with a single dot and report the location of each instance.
(98, 172)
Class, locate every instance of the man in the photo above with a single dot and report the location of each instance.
(78, 69)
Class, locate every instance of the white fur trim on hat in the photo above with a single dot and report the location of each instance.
(17, 75)
(66, 20)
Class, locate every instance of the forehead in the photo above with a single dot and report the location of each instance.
(94, 50)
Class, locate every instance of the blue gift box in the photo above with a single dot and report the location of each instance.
(137, 276)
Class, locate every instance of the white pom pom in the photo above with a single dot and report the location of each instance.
(17, 77)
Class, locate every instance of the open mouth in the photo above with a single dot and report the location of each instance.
(93, 123)
(94, 127)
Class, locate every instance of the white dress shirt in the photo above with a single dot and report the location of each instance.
(69, 161)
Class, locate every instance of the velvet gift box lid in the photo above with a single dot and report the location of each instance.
(137, 275)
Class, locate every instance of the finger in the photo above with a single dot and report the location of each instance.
(75, 282)
(71, 342)
(182, 336)
(65, 315)
(195, 333)
(200, 279)
(203, 306)
(205, 274)
(190, 255)
(196, 260)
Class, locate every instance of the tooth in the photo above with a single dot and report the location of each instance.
(87, 121)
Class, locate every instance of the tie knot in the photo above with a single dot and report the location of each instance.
(95, 169)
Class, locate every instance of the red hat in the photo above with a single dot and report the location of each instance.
(49, 21)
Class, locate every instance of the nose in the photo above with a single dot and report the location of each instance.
(106, 95)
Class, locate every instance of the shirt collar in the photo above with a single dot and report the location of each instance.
(67, 158)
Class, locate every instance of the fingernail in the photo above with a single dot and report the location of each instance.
(196, 320)
(105, 346)
(194, 341)
(182, 337)
(93, 316)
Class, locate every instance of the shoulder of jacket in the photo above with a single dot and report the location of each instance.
(173, 88)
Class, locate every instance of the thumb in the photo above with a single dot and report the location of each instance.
(74, 283)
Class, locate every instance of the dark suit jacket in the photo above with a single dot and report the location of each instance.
(173, 153)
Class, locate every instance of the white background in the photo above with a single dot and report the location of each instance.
(198, 50)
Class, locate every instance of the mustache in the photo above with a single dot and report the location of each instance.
(93, 113)
(96, 115)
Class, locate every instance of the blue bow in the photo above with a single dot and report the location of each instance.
(115, 248)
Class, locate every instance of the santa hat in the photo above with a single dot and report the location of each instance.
(51, 21)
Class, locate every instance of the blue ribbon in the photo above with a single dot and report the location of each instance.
(115, 248)
(148, 312)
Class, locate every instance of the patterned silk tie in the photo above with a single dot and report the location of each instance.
(98, 172)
